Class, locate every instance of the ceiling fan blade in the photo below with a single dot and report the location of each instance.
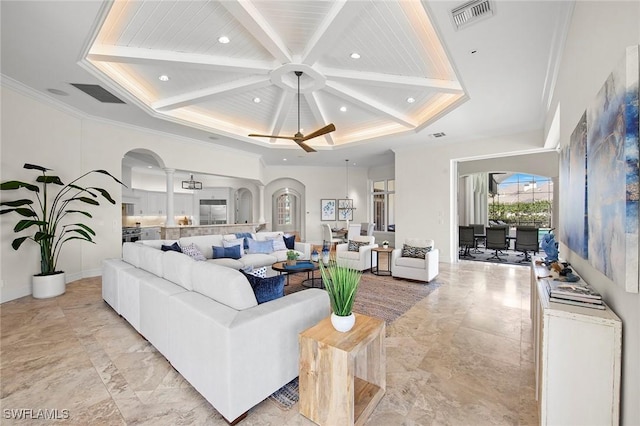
(326, 129)
(305, 146)
(272, 136)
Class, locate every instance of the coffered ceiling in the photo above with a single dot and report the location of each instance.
(416, 75)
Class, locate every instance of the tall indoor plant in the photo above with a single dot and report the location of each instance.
(341, 283)
(52, 219)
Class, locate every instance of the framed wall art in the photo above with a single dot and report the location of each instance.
(345, 209)
(328, 209)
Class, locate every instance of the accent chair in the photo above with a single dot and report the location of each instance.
(356, 253)
(406, 261)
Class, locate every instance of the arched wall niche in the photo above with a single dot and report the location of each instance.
(281, 186)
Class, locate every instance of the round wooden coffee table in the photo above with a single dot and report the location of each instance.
(302, 266)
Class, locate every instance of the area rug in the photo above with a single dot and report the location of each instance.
(287, 396)
(509, 257)
(382, 297)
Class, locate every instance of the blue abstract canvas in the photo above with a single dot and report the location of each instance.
(612, 175)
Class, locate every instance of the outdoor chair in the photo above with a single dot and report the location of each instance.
(466, 240)
(479, 236)
(496, 240)
(527, 241)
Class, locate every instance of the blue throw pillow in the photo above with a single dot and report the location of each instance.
(266, 289)
(290, 241)
(173, 247)
(247, 236)
(226, 252)
(265, 247)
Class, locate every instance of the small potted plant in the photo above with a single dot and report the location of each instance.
(341, 283)
(292, 257)
(385, 244)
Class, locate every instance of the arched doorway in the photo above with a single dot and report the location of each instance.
(286, 214)
(244, 206)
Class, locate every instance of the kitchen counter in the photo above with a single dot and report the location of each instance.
(178, 231)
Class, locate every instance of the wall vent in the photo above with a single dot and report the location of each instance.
(438, 135)
(99, 93)
(472, 12)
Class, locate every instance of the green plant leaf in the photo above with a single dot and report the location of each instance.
(105, 194)
(85, 200)
(86, 228)
(85, 234)
(18, 242)
(79, 211)
(49, 179)
(27, 223)
(42, 236)
(16, 184)
(104, 172)
(35, 167)
(17, 203)
(26, 212)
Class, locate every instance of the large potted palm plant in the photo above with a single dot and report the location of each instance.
(341, 283)
(51, 218)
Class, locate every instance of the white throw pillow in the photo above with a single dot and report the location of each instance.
(278, 243)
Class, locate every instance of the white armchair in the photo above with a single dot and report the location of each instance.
(415, 268)
(361, 259)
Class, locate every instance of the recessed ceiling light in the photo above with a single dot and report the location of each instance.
(343, 108)
(411, 100)
(257, 100)
(57, 92)
(223, 39)
(163, 77)
(149, 167)
(355, 55)
(284, 159)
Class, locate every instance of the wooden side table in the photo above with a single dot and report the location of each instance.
(376, 270)
(342, 375)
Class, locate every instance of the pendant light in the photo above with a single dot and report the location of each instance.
(191, 184)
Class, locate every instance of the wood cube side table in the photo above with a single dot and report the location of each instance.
(342, 375)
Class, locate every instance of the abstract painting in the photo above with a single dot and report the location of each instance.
(577, 197)
(345, 209)
(612, 175)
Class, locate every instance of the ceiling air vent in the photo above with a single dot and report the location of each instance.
(437, 135)
(99, 93)
(471, 12)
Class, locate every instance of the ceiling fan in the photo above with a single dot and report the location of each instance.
(299, 138)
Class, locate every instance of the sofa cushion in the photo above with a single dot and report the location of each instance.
(173, 247)
(355, 245)
(131, 253)
(353, 255)
(194, 252)
(151, 260)
(258, 259)
(266, 289)
(221, 252)
(281, 255)
(228, 262)
(176, 267)
(412, 251)
(224, 285)
(203, 242)
(264, 247)
(289, 241)
(239, 242)
(412, 262)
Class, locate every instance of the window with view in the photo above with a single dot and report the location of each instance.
(383, 198)
(521, 199)
(284, 209)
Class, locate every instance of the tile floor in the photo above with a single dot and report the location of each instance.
(462, 356)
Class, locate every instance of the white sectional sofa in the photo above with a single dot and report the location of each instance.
(205, 320)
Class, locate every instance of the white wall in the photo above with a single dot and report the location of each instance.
(426, 182)
(599, 34)
(37, 131)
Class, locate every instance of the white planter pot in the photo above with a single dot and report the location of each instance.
(343, 324)
(45, 286)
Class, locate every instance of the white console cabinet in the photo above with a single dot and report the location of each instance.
(577, 359)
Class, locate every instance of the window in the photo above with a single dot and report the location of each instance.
(284, 209)
(523, 200)
(383, 199)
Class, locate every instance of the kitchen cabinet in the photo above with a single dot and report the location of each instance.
(156, 203)
(150, 233)
(183, 205)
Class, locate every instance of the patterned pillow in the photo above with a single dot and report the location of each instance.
(193, 252)
(355, 245)
(278, 243)
(417, 252)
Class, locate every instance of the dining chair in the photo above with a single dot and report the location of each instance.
(353, 231)
(527, 241)
(327, 236)
(496, 240)
(466, 240)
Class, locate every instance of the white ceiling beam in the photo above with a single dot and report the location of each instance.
(135, 55)
(228, 89)
(251, 19)
(331, 29)
(319, 116)
(281, 112)
(369, 104)
(391, 80)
